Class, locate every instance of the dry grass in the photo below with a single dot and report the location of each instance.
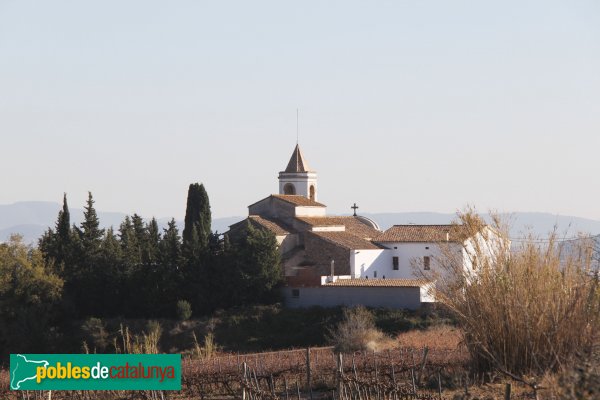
(525, 312)
(442, 337)
(208, 350)
(145, 343)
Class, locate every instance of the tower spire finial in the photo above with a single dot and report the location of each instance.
(297, 125)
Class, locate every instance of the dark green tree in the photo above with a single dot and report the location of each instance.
(140, 229)
(170, 270)
(256, 267)
(63, 225)
(151, 250)
(130, 245)
(196, 232)
(56, 245)
(109, 275)
(170, 247)
(84, 282)
(90, 233)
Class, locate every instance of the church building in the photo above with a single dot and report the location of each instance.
(344, 260)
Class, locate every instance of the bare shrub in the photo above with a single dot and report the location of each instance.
(357, 332)
(525, 311)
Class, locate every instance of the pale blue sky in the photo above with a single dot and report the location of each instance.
(404, 105)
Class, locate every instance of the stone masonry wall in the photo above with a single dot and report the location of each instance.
(320, 252)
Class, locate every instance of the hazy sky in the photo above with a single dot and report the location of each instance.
(404, 105)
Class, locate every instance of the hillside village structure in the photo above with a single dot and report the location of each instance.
(346, 260)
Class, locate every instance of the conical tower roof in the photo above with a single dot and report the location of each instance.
(297, 162)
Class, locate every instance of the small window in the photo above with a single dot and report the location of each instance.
(295, 293)
(426, 247)
(395, 263)
(289, 188)
(426, 262)
(396, 247)
(374, 274)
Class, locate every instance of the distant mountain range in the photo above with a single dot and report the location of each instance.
(32, 218)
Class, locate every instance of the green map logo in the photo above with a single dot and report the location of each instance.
(95, 371)
(24, 370)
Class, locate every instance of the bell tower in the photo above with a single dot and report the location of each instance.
(297, 178)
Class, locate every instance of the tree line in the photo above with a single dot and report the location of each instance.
(135, 271)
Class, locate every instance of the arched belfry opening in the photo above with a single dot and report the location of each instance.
(289, 188)
(298, 179)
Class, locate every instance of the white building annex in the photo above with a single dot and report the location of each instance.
(348, 260)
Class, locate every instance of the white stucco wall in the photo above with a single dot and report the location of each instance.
(302, 182)
(391, 297)
(366, 262)
(329, 228)
(410, 260)
(311, 211)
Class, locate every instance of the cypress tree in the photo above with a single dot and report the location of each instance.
(56, 245)
(63, 224)
(197, 215)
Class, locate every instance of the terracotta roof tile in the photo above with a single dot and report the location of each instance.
(379, 283)
(423, 233)
(272, 225)
(347, 240)
(352, 224)
(298, 200)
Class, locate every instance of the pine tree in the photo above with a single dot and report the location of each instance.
(130, 246)
(170, 272)
(139, 228)
(170, 246)
(151, 251)
(109, 276)
(90, 233)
